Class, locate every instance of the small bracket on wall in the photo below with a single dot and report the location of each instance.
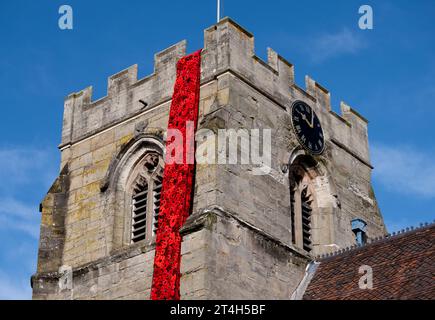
(144, 104)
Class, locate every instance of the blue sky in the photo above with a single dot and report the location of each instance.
(387, 74)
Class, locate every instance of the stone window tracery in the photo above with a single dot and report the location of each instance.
(144, 193)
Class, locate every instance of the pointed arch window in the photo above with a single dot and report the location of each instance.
(145, 195)
(132, 190)
(313, 203)
(302, 202)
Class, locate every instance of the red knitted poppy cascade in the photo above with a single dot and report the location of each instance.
(178, 181)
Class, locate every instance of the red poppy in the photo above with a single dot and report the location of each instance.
(177, 184)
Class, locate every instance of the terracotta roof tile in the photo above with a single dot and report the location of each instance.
(403, 268)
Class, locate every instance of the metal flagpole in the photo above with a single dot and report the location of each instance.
(218, 10)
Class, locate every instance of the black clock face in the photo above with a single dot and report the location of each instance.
(307, 127)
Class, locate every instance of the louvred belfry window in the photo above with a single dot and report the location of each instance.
(302, 205)
(145, 193)
(306, 220)
(139, 214)
(157, 191)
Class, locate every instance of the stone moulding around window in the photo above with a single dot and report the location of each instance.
(310, 173)
(129, 164)
(130, 147)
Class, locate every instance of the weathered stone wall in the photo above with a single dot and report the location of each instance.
(259, 95)
(87, 231)
(237, 243)
(124, 275)
(225, 257)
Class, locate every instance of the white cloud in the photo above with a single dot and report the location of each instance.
(31, 228)
(25, 165)
(25, 175)
(404, 170)
(19, 216)
(15, 208)
(330, 45)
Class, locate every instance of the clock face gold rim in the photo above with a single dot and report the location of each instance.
(307, 128)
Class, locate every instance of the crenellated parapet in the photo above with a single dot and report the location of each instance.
(227, 48)
(230, 48)
(126, 96)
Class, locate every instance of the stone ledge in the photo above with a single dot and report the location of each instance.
(205, 218)
(342, 146)
(118, 256)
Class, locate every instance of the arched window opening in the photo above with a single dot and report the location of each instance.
(145, 194)
(313, 203)
(132, 188)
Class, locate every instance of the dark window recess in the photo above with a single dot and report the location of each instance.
(359, 229)
(292, 215)
(306, 220)
(157, 196)
(139, 215)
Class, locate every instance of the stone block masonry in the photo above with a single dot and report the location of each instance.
(238, 241)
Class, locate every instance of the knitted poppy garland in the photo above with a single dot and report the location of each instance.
(178, 181)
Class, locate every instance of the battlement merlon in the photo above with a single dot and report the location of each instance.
(230, 47)
(83, 116)
(227, 48)
(73, 102)
(321, 94)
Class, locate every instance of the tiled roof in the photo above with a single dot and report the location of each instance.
(403, 268)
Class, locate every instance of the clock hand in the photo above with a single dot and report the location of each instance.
(304, 117)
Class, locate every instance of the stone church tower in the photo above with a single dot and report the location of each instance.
(249, 236)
